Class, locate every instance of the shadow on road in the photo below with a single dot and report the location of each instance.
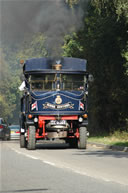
(101, 153)
(51, 146)
(25, 190)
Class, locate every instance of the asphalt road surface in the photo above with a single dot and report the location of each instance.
(54, 168)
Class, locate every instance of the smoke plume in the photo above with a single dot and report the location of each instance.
(54, 18)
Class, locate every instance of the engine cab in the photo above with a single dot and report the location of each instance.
(54, 102)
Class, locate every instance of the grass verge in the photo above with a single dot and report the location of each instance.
(117, 138)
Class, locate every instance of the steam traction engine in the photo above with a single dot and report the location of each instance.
(54, 103)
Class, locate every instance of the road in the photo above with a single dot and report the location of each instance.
(54, 168)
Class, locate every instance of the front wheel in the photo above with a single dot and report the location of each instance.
(31, 144)
(82, 142)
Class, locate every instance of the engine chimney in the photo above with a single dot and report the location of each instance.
(58, 65)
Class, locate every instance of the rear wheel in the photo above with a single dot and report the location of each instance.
(31, 145)
(82, 142)
(22, 141)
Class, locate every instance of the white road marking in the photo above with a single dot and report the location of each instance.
(19, 152)
(32, 157)
(64, 166)
(50, 163)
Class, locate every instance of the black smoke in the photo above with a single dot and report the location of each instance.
(23, 18)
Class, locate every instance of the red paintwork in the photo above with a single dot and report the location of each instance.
(69, 117)
(77, 134)
(50, 117)
(43, 134)
(37, 133)
(45, 118)
(28, 134)
(72, 136)
(43, 128)
(1, 127)
(41, 124)
(17, 131)
(39, 137)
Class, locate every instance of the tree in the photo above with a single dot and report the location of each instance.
(103, 44)
(72, 47)
(72, 2)
(10, 74)
(5, 100)
(34, 47)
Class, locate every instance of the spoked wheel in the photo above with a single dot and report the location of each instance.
(31, 144)
(22, 141)
(82, 142)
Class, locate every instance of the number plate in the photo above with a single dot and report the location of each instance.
(55, 122)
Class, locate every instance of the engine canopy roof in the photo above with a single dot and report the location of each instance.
(45, 65)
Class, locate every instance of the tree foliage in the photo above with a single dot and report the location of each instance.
(34, 47)
(72, 47)
(72, 2)
(7, 102)
(103, 42)
(10, 73)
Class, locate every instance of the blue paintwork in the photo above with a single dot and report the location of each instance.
(71, 99)
(45, 101)
(45, 64)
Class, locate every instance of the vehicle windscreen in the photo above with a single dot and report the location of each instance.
(45, 82)
(42, 82)
(73, 81)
